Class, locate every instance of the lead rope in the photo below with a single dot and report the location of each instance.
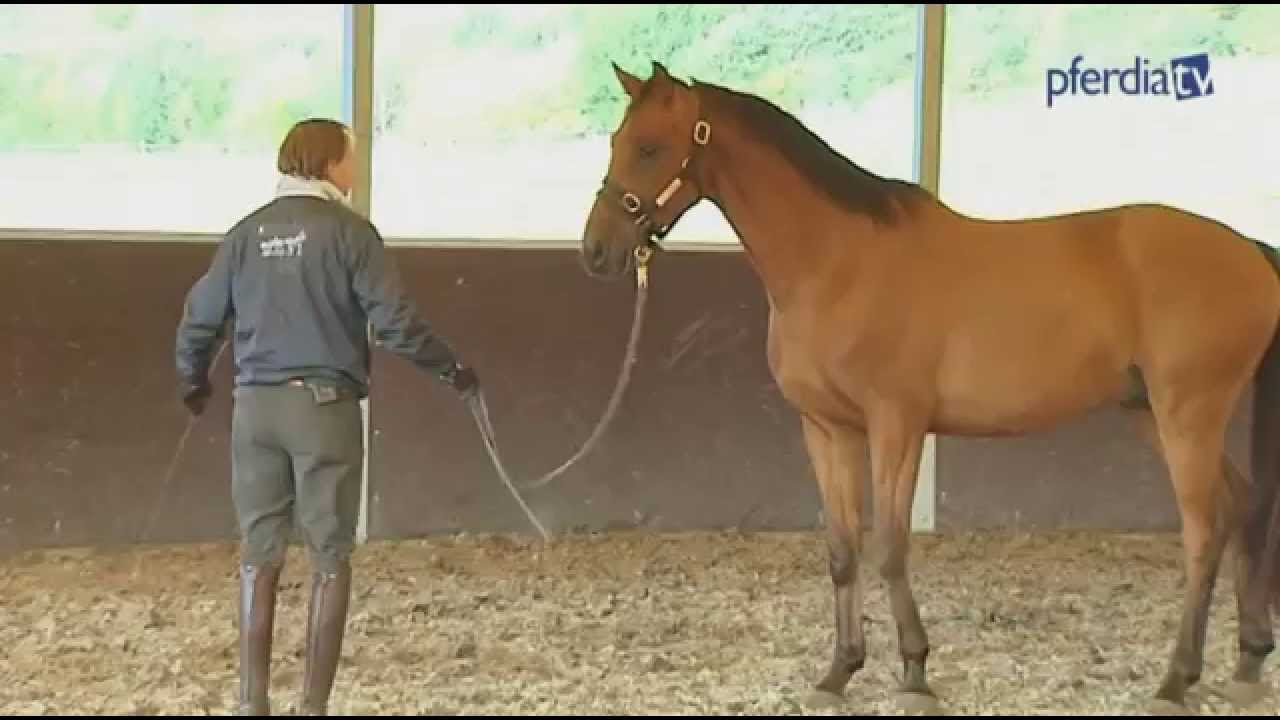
(480, 409)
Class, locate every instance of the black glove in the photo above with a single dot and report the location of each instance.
(195, 397)
(463, 380)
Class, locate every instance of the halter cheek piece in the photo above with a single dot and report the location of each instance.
(642, 216)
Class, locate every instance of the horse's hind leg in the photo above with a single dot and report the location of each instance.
(1256, 504)
(1192, 435)
(1224, 506)
(838, 455)
(1255, 634)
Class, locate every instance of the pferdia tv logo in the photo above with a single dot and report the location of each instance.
(1185, 78)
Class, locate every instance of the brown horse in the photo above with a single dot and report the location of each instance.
(893, 316)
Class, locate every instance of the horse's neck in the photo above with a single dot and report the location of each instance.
(782, 224)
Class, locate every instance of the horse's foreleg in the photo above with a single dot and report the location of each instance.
(838, 455)
(895, 458)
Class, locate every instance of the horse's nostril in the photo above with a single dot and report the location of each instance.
(592, 258)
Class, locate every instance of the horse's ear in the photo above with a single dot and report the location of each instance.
(664, 82)
(630, 83)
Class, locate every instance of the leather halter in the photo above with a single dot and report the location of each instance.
(642, 212)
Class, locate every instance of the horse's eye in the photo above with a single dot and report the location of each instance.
(648, 151)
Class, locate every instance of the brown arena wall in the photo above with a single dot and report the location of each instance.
(90, 420)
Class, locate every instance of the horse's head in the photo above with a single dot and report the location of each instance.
(649, 183)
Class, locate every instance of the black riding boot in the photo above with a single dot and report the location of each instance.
(326, 624)
(257, 621)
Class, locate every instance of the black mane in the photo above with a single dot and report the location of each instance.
(846, 183)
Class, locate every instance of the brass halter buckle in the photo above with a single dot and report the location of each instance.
(643, 253)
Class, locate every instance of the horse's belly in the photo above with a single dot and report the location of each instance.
(1023, 382)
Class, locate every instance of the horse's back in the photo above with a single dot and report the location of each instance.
(1200, 299)
(1043, 318)
(1153, 258)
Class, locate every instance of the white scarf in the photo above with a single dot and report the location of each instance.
(291, 185)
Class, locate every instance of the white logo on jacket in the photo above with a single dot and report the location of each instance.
(277, 246)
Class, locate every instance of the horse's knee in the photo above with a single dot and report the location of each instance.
(842, 562)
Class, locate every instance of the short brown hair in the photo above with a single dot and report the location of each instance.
(311, 147)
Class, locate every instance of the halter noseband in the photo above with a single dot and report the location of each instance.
(631, 203)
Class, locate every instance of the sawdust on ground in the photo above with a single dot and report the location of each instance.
(615, 624)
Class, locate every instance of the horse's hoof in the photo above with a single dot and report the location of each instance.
(1243, 694)
(1160, 707)
(913, 703)
(823, 700)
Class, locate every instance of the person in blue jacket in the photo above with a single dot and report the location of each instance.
(302, 278)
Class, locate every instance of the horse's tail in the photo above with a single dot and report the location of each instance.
(1262, 522)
